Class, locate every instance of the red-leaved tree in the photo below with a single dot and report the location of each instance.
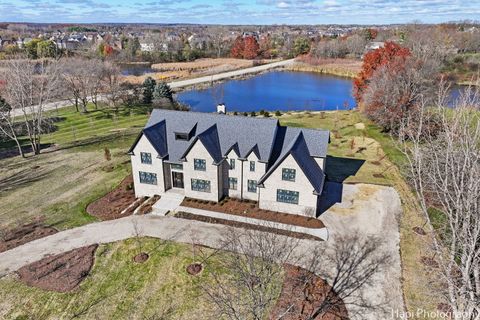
(237, 48)
(375, 59)
(246, 48)
(251, 48)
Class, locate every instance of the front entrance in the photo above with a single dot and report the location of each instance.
(177, 179)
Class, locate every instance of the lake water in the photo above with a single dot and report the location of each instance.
(136, 69)
(276, 90)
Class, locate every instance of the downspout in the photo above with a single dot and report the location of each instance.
(241, 180)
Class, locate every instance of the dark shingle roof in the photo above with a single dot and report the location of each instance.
(220, 134)
(298, 148)
(246, 132)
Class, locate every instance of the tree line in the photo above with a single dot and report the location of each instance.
(402, 89)
(30, 86)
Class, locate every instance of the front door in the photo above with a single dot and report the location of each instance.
(177, 178)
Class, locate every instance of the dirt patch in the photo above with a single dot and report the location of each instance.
(141, 257)
(61, 273)
(302, 293)
(250, 209)
(419, 231)
(147, 207)
(194, 269)
(113, 204)
(190, 216)
(378, 175)
(28, 232)
(429, 262)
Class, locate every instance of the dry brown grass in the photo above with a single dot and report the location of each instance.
(202, 64)
(339, 67)
(185, 70)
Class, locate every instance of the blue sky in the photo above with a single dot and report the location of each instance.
(240, 11)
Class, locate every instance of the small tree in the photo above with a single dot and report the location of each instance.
(148, 89)
(163, 92)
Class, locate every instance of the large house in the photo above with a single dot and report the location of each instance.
(210, 156)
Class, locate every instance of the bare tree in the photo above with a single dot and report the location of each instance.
(82, 77)
(9, 124)
(256, 259)
(255, 264)
(29, 87)
(444, 167)
(112, 85)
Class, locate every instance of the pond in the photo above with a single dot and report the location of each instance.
(276, 90)
(136, 69)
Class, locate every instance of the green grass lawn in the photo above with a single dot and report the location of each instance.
(58, 185)
(118, 288)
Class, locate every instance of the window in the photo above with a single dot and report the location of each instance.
(146, 157)
(148, 177)
(174, 166)
(252, 166)
(287, 196)
(200, 185)
(181, 136)
(232, 183)
(200, 164)
(252, 186)
(232, 164)
(288, 174)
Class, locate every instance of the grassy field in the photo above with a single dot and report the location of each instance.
(60, 184)
(118, 288)
(419, 283)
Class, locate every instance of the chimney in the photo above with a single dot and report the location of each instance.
(221, 109)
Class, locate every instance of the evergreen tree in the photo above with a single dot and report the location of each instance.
(148, 89)
(163, 91)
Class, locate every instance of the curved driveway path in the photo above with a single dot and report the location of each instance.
(371, 209)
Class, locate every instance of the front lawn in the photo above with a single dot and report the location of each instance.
(119, 288)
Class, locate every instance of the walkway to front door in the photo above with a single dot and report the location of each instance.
(177, 178)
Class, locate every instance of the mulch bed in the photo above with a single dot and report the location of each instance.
(419, 231)
(250, 209)
(28, 232)
(147, 207)
(61, 273)
(194, 269)
(141, 257)
(236, 224)
(110, 206)
(302, 299)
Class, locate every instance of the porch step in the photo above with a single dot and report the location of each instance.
(168, 202)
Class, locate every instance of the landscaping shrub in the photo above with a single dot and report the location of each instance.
(278, 113)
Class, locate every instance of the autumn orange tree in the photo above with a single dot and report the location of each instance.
(385, 56)
(246, 48)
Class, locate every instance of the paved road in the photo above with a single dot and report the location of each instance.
(183, 83)
(230, 74)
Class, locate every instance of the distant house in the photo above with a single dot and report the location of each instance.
(147, 46)
(211, 156)
(374, 45)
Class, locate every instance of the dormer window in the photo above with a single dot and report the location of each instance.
(181, 136)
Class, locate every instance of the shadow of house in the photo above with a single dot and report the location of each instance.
(332, 194)
(337, 171)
